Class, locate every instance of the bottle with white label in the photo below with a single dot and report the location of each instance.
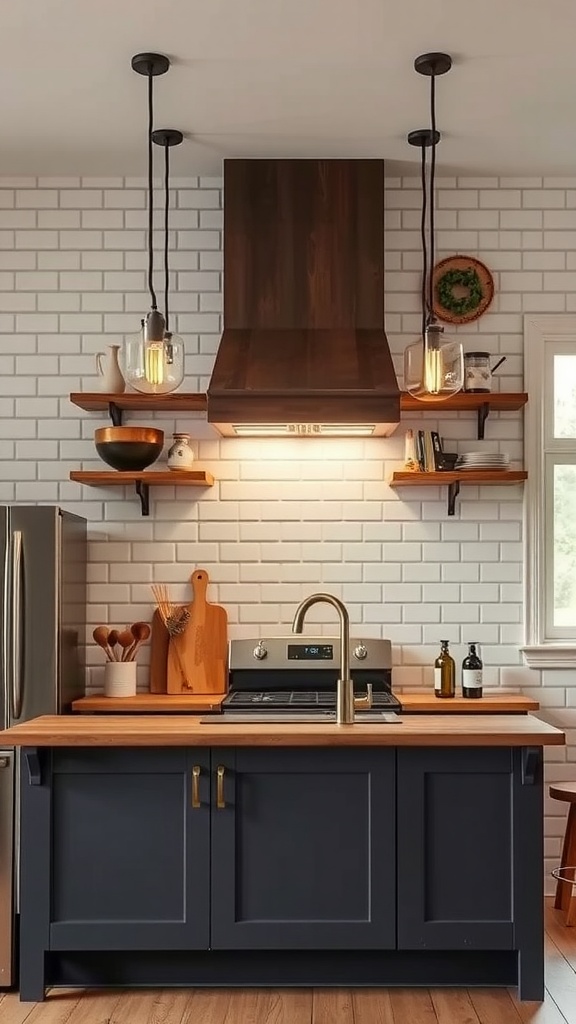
(444, 672)
(472, 673)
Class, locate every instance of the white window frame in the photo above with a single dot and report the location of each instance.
(544, 336)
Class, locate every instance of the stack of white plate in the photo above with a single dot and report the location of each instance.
(483, 460)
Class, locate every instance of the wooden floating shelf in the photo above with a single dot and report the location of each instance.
(482, 404)
(133, 401)
(456, 478)
(500, 401)
(143, 480)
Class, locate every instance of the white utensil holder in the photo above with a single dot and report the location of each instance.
(120, 679)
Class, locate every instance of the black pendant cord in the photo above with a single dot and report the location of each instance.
(432, 198)
(424, 245)
(166, 224)
(151, 194)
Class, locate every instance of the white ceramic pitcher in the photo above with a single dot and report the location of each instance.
(110, 377)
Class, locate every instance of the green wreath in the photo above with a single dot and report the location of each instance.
(467, 279)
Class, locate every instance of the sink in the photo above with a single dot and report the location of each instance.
(298, 718)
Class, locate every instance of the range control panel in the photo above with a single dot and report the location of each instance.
(308, 652)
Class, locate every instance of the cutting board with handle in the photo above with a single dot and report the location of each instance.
(197, 658)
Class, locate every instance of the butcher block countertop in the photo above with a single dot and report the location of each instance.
(151, 702)
(189, 730)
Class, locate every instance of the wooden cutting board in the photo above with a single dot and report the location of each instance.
(197, 658)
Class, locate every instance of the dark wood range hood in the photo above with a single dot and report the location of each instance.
(304, 350)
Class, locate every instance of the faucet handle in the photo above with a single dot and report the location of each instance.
(365, 701)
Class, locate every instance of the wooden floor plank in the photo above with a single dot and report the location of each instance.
(560, 980)
(208, 1006)
(564, 938)
(453, 1006)
(133, 1007)
(169, 1007)
(494, 1006)
(332, 1006)
(290, 1006)
(538, 1013)
(250, 1006)
(96, 1006)
(412, 1006)
(12, 1011)
(57, 1008)
(372, 1006)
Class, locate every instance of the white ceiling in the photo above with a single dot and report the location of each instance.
(286, 78)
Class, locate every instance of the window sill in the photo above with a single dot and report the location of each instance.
(550, 655)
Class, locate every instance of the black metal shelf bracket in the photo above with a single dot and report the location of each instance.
(32, 758)
(115, 413)
(483, 411)
(143, 492)
(453, 492)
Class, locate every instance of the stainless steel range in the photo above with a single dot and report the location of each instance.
(296, 675)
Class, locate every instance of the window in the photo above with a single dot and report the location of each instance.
(550, 445)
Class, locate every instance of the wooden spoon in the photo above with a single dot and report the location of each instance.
(125, 640)
(113, 640)
(100, 636)
(140, 633)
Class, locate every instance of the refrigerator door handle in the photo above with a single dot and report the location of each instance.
(16, 624)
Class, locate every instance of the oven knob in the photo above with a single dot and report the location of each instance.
(260, 651)
(360, 652)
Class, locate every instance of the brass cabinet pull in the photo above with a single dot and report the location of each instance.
(196, 786)
(220, 801)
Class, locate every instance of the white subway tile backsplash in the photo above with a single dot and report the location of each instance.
(280, 521)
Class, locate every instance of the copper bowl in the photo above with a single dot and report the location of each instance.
(129, 448)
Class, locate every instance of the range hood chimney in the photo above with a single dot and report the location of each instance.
(304, 350)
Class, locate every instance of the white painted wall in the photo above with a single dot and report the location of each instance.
(284, 518)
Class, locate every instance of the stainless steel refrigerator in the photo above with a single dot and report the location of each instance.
(42, 622)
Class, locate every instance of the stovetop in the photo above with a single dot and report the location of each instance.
(298, 673)
(292, 700)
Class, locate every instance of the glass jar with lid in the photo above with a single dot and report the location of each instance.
(477, 372)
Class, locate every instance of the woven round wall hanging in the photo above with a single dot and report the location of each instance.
(463, 289)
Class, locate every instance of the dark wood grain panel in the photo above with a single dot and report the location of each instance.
(304, 244)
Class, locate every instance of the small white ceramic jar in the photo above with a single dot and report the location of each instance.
(180, 454)
(120, 679)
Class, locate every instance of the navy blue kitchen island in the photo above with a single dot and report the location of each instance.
(162, 851)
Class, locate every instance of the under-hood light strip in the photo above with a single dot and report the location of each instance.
(303, 429)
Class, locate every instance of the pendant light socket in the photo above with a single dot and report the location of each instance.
(433, 64)
(150, 64)
(154, 327)
(167, 137)
(422, 137)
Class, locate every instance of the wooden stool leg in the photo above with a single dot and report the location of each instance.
(564, 889)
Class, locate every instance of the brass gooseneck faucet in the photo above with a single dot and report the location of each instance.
(345, 700)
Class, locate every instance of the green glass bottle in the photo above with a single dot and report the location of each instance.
(444, 672)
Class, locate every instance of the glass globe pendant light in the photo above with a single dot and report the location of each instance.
(154, 358)
(434, 365)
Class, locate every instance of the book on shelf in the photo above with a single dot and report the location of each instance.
(429, 451)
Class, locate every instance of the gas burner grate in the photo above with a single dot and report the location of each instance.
(242, 700)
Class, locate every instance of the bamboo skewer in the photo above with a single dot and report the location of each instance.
(175, 617)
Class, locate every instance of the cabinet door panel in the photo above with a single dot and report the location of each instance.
(455, 846)
(126, 817)
(304, 850)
